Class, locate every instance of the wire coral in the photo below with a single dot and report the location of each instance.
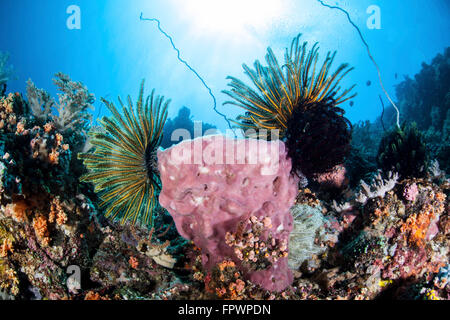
(300, 100)
(188, 66)
(123, 165)
(370, 56)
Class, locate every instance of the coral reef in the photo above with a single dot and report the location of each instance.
(225, 280)
(40, 101)
(48, 235)
(211, 200)
(35, 158)
(424, 99)
(70, 115)
(389, 247)
(137, 271)
(230, 221)
(74, 102)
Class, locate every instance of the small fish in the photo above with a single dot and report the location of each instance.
(396, 75)
(368, 83)
(351, 103)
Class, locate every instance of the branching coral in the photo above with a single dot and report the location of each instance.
(74, 102)
(123, 164)
(40, 101)
(35, 158)
(378, 188)
(72, 107)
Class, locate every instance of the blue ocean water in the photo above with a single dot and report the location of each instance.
(113, 49)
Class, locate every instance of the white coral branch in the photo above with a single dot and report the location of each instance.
(378, 188)
(74, 102)
(39, 100)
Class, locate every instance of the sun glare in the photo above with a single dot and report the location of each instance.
(231, 16)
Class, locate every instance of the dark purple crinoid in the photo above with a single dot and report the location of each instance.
(317, 137)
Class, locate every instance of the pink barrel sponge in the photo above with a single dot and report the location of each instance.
(212, 185)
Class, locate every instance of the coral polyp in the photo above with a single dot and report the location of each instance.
(123, 164)
(280, 90)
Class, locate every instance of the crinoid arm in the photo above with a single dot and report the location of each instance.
(276, 91)
(122, 166)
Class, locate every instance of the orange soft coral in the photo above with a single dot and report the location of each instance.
(53, 157)
(225, 281)
(48, 127)
(59, 139)
(417, 225)
(91, 295)
(133, 262)
(57, 212)
(6, 247)
(19, 210)
(41, 229)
